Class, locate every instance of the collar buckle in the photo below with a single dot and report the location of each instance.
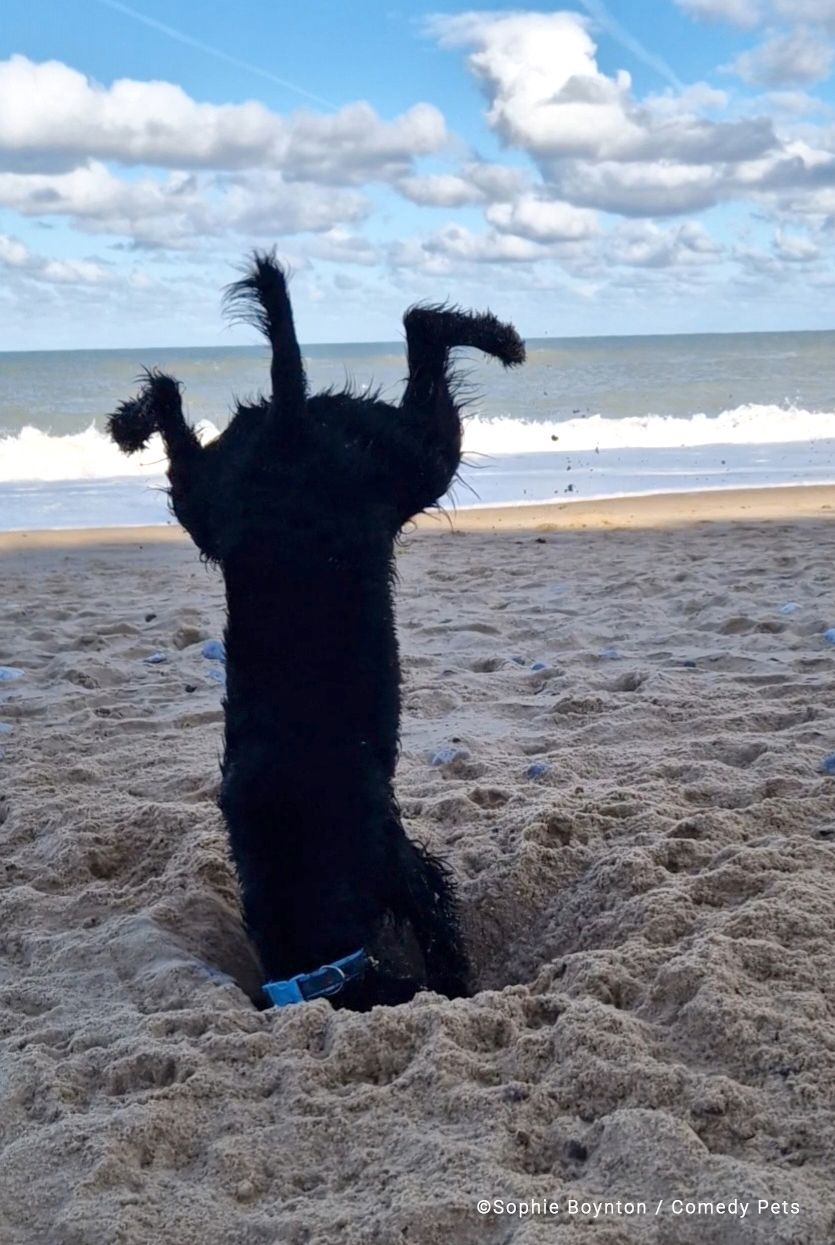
(320, 983)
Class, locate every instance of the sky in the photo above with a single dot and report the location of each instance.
(592, 168)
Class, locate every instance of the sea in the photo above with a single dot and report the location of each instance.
(585, 418)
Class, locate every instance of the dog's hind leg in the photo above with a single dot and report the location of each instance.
(429, 413)
(427, 901)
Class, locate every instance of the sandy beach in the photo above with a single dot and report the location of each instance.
(632, 701)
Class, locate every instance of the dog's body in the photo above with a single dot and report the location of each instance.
(300, 501)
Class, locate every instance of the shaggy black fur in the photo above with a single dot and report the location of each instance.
(300, 501)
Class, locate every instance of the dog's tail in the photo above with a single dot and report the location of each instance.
(431, 332)
(260, 298)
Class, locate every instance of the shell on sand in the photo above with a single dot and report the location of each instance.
(651, 918)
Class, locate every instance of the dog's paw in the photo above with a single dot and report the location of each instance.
(132, 424)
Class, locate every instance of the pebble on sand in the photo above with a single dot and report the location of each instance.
(448, 756)
(213, 650)
(538, 770)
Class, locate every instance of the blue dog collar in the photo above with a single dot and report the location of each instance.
(329, 979)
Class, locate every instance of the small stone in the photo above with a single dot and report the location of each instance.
(155, 659)
(184, 636)
(789, 607)
(6, 728)
(538, 770)
(828, 764)
(191, 687)
(7, 673)
(539, 665)
(448, 756)
(213, 650)
(830, 635)
(518, 661)
(245, 1191)
(612, 653)
(150, 617)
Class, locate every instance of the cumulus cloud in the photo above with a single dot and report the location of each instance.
(594, 143)
(644, 245)
(343, 247)
(547, 96)
(477, 182)
(639, 189)
(543, 220)
(449, 190)
(462, 245)
(182, 209)
(58, 118)
(786, 58)
(14, 255)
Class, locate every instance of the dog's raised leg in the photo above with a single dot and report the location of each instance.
(428, 408)
(159, 408)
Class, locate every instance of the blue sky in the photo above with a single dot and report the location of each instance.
(591, 168)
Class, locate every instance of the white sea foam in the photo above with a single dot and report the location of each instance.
(744, 425)
(34, 455)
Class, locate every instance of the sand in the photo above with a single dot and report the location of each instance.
(651, 915)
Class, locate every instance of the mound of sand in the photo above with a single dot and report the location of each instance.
(646, 847)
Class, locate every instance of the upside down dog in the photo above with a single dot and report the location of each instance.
(300, 501)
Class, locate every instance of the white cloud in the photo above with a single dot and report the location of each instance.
(595, 145)
(477, 182)
(786, 58)
(16, 256)
(547, 96)
(795, 103)
(642, 244)
(353, 145)
(447, 190)
(539, 74)
(340, 246)
(794, 248)
(641, 189)
(12, 252)
(818, 12)
(738, 12)
(543, 220)
(457, 243)
(182, 209)
(55, 117)
(605, 19)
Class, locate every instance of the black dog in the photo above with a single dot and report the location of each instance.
(300, 501)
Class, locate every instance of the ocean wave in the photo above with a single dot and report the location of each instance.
(35, 455)
(744, 425)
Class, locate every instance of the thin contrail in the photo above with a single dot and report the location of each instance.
(210, 51)
(598, 10)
